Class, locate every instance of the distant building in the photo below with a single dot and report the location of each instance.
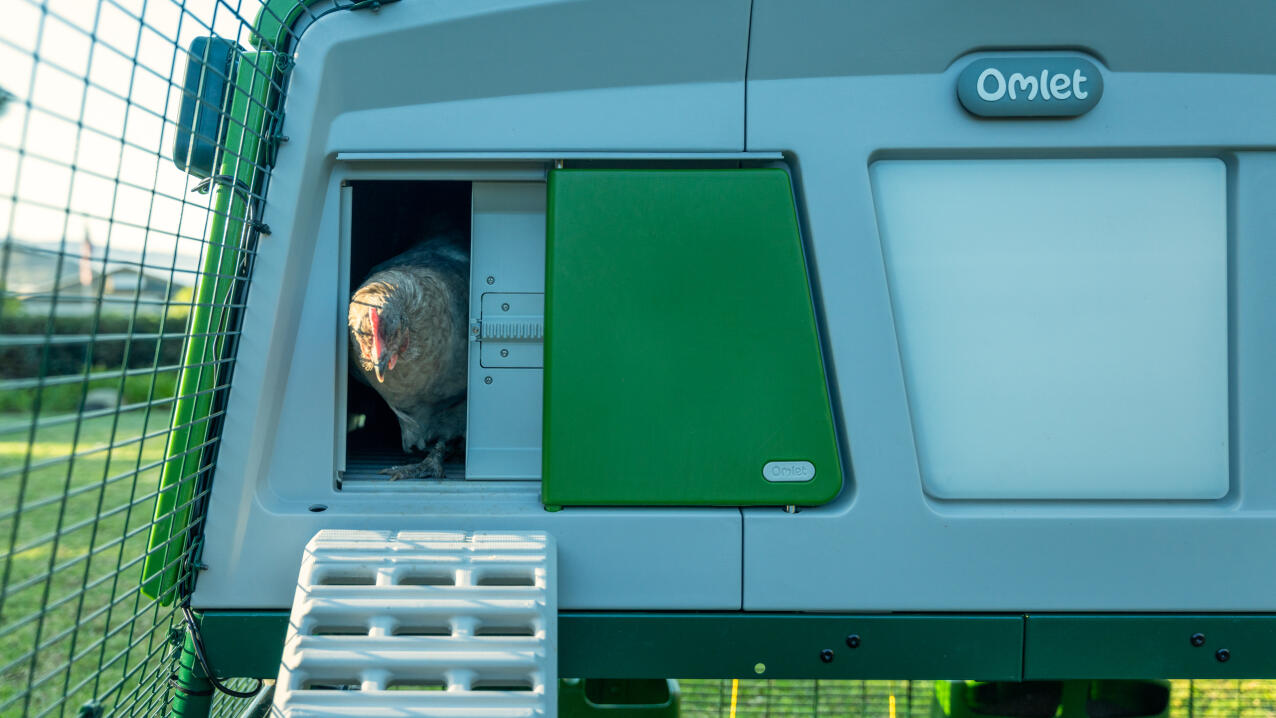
(35, 279)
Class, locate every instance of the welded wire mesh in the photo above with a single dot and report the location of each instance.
(916, 699)
(119, 294)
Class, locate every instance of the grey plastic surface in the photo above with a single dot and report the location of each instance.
(896, 548)
(485, 77)
(832, 38)
(407, 92)
(507, 279)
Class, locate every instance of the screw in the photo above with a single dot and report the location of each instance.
(759, 668)
(1198, 639)
(505, 352)
(505, 307)
(487, 380)
(491, 280)
(826, 655)
(853, 640)
(1223, 655)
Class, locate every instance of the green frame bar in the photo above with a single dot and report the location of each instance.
(707, 645)
(1011, 647)
(1088, 646)
(245, 149)
(275, 21)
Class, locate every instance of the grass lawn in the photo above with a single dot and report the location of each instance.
(74, 515)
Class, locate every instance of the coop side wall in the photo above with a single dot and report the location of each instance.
(427, 77)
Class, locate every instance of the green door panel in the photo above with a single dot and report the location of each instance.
(681, 351)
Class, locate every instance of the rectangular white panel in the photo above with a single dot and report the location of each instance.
(1062, 324)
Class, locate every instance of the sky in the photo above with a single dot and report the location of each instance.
(132, 54)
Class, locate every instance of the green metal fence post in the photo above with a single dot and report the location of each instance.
(193, 693)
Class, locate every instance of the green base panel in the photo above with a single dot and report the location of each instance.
(1011, 647)
(1081, 646)
(682, 359)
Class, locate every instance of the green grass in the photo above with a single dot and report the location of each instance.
(913, 699)
(64, 398)
(58, 556)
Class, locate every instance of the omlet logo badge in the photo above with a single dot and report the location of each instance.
(788, 471)
(1022, 86)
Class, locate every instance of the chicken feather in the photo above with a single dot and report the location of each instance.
(408, 339)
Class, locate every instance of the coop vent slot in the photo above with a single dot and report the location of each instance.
(419, 630)
(339, 631)
(507, 579)
(348, 579)
(513, 631)
(414, 685)
(428, 579)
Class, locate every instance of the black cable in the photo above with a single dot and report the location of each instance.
(197, 641)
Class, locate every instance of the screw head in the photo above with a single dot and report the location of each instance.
(853, 640)
(491, 279)
(826, 655)
(1198, 639)
(505, 352)
(505, 307)
(1223, 655)
(487, 380)
(759, 668)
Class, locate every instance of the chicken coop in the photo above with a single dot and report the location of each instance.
(693, 325)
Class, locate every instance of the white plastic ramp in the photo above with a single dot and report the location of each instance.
(423, 623)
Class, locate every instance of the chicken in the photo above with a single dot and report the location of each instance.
(408, 341)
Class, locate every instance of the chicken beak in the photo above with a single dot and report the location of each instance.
(379, 356)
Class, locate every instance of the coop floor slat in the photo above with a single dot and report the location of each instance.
(366, 465)
(422, 623)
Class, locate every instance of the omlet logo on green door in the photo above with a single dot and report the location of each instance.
(1024, 86)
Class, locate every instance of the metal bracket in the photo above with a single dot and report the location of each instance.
(511, 330)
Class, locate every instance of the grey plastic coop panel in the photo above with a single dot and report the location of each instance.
(507, 310)
(280, 451)
(1052, 337)
(1062, 415)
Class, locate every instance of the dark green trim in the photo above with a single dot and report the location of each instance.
(275, 21)
(729, 645)
(1088, 646)
(276, 18)
(707, 645)
(608, 645)
(244, 644)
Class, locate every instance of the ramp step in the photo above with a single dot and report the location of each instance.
(422, 623)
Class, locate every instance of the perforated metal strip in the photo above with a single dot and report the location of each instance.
(420, 623)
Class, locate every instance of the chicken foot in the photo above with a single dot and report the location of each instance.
(431, 467)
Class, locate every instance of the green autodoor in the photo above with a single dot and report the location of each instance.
(683, 364)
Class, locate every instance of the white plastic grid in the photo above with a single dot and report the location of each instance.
(422, 623)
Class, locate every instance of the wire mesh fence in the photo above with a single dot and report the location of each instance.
(916, 699)
(121, 278)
